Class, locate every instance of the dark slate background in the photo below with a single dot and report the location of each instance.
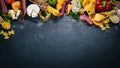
(60, 43)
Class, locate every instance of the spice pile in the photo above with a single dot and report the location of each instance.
(95, 12)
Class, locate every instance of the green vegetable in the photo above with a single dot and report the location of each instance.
(6, 17)
(112, 1)
(52, 2)
(75, 15)
(81, 1)
(44, 15)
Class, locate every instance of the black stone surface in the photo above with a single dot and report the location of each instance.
(60, 43)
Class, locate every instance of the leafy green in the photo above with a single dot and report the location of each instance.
(112, 1)
(81, 1)
(75, 15)
(6, 17)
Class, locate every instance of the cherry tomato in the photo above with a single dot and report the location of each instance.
(9, 1)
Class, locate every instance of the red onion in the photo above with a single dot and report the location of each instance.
(117, 4)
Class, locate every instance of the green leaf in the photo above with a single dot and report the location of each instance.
(104, 3)
(6, 17)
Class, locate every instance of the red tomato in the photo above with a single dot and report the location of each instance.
(9, 1)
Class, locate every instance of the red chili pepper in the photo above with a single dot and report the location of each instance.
(102, 6)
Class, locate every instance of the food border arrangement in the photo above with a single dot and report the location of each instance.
(94, 12)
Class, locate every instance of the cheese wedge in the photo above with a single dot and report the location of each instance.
(97, 23)
(33, 10)
(108, 13)
(99, 17)
(85, 3)
(90, 8)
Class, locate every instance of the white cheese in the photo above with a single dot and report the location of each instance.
(18, 13)
(12, 13)
(33, 10)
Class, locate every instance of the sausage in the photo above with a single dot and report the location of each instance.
(62, 12)
(23, 9)
(3, 7)
(64, 6)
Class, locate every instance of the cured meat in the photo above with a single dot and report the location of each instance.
(3, 6)
(23, 9)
